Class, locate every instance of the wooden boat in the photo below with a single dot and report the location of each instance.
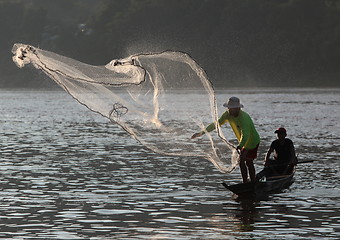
(264, 185)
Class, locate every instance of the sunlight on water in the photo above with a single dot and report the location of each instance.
(68, 174)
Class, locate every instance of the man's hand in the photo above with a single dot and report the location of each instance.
(238, 150)
(196, 135)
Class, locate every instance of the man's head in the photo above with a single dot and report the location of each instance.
(234, 106)
(281, 133)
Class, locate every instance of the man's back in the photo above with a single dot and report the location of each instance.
(282, 149)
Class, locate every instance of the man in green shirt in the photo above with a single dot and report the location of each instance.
(245, 132)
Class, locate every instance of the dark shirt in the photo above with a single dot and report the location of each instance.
(282, 151)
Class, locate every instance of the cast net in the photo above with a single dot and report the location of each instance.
(160, 99)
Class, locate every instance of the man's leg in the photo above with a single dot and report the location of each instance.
(251, 169)
(251, 155)
(244, 171)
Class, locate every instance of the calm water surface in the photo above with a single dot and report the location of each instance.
(67, 173)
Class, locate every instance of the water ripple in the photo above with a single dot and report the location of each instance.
(69, 174)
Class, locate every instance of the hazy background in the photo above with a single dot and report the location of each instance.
(252, 43)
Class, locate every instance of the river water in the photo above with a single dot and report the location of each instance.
(67, 173)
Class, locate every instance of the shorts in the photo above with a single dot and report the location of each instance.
(252, 153)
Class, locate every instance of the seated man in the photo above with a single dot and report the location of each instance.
(284, 154)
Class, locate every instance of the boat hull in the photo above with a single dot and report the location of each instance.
(269, 185)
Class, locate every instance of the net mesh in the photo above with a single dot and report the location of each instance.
(160, 99)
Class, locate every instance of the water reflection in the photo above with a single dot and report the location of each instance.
(246, 213)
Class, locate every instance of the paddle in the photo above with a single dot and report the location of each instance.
(263, 171)
(306, 161)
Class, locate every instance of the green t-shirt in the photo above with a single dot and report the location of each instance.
(243, 128)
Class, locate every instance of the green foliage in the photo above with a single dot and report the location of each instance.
(260, 42)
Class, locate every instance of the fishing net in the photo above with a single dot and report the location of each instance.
(160, 99)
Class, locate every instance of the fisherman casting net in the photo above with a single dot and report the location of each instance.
(160, 99)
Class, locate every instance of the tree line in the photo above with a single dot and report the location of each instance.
(238, 42)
